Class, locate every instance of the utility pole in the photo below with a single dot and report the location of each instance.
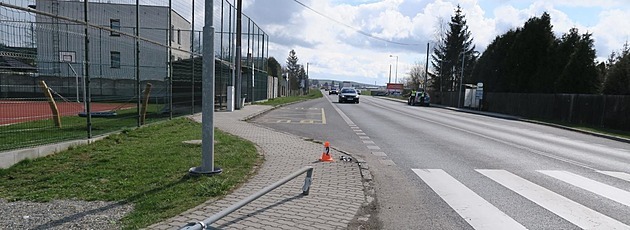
(461, 78)
(239, 75)
(207, 144)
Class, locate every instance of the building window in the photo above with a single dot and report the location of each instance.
(179, 37)
(115, 59)
(114, 24)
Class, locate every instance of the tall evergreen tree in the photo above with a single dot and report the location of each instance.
(618, 75)
(532, 47)
(580, 74)
(301, 77)
(446, 59)
(492, 67)
(520, 60)
(274, 68)
(563, 49)
(293, 69)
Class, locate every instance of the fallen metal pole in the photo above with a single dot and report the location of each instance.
(307, 184)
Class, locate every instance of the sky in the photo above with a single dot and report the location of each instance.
(334, 40)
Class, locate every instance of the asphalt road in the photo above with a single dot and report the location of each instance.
(435, 168)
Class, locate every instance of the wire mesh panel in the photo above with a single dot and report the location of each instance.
(72, 69)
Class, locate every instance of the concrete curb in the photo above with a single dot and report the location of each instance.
(10, 158)
(509, 117)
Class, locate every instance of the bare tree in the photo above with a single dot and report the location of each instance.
(415, 80)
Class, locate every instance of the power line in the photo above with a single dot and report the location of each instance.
(355, 29)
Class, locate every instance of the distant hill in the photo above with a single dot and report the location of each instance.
(323, 82)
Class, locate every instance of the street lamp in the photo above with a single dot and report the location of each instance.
(390, 74)
(396, 78)
(307, 81)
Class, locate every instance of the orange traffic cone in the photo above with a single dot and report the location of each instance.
(326, 157)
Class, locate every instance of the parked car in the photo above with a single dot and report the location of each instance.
(333, 91)
(421, 98)
(348, 95)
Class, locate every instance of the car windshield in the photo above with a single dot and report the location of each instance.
(348, 91)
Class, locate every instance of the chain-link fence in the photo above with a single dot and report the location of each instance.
(114, 64)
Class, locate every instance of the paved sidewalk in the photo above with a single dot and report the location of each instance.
(336, 193)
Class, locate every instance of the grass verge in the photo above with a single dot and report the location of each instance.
(146, 167)
(33, 133)
(313, 93)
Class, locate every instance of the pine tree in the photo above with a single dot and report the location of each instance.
(293, 69)
(580, 74)
(618, 76)
(492, 67)
(446, 59)
(520, 60)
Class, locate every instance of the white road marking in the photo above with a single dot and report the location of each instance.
(610, 192)
(368, 142)
(387, 162)
(479, 213)
(571, 211)
(373, 147)
(323, 117)
(379, 154)
(619, 175)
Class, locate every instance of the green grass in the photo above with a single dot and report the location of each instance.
(146, 167)
(41, 132)
(313, 93)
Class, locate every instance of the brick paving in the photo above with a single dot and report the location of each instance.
(336, 193)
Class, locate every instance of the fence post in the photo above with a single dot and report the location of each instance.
(145, 103)
(88, 108)
(137, 63)
(51, 102)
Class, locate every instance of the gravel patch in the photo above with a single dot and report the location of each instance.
(62, 214)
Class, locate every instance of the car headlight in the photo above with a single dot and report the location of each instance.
(343, 96)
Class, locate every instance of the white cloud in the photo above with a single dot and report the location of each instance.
(611, 32)
(342, 53)
(590, 3)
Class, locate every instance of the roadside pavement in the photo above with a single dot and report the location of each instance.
(336, 193)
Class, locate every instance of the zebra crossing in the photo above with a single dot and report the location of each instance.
(481, 214)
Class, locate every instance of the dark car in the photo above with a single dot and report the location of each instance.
(333, 91)
(348, 95)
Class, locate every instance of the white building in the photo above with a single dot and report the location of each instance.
(61, 44)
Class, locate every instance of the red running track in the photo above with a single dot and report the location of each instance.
(21, 111)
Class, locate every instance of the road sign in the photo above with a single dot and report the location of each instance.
(479, 91)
